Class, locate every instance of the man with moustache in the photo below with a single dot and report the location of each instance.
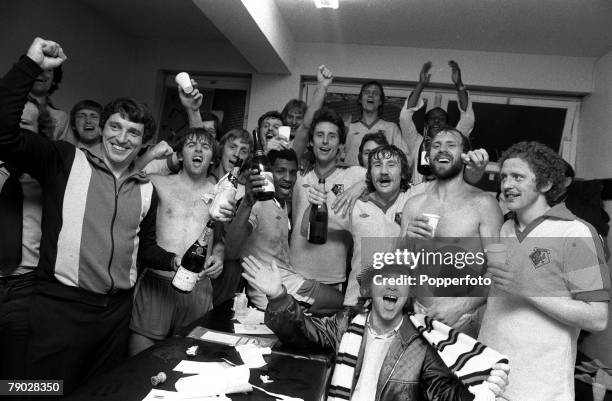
(379, 352)
(99, 216)
(159, 311)
(465, 212)
(261, 228)
(379, 214)
(553, 284)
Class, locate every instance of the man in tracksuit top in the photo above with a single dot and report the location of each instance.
(98, 218)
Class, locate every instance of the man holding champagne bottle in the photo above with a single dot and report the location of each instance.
(261, 227)
(160, 310)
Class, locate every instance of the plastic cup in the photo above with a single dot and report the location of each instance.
(183, 80)
(497, 253)
(284, 131)
(432, 220)
(599, 392)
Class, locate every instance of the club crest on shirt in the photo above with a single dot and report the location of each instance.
(337, 189)
(398, 218)
(540, 257)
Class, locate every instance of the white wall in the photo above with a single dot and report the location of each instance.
(568, 75)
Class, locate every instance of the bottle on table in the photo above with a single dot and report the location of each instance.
(317, 222)
(226, 190)
(192, 263)
(262, 164)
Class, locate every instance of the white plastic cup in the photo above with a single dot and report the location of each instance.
(432, 220)
(599, 392)
(497, 253)
(284, 131)
(183, 80)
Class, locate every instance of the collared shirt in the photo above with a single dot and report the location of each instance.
(375, 352)
(557, 254)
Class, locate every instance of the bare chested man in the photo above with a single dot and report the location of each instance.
(159, 311)
(465, 212)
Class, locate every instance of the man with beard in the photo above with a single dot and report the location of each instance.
(379, 352)
(435, 119)
(379, 214)
(159, 311)
(465, 212)
(261, 229)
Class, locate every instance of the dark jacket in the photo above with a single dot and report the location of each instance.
(411, 371)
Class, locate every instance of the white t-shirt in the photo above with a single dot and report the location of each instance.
(358, 129)
(373, 230)
(325, 263)
(560, 253)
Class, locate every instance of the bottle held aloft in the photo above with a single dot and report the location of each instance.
(225, 190)
(317, 222)
(423, 165)
(193, 261)
(262, 165)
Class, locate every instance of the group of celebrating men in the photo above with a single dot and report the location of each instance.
(93, 230)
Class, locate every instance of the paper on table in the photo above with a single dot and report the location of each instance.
(199, 367)
(254, 316)
(252, 355)
(240, 328)
(218, 381)
(220, 337)
(157, 395)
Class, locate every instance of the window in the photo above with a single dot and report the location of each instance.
(224, 96)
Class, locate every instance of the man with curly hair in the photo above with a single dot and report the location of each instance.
(553, 284)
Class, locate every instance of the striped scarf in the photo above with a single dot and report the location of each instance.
(342, 379)
(468, 359)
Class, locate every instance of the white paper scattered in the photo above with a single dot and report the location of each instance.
(279, 396)
(222, 338)
(253, 316)
(162, 395)
(217, 381)
(240, 328)
(200, 368)
(265, 379)
(252, 355)
(192, 351)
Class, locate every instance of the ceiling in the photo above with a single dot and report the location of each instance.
(581, 28)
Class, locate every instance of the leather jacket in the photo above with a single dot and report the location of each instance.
(411, 371)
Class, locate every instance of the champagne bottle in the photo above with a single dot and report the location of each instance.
(262, 164)
(423, 166)
(225, 190)
(317, 222)
(193, 260)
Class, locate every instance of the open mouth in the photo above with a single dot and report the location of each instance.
(384, 181)
(509, 197)
(443, 159)
(324, 149)
(89, 127)
(197, 160)
(285, 185)
(389, 301)
(118, 148)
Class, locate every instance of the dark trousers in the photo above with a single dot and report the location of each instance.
(15, 296)
(228, 283)
(76, 340)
